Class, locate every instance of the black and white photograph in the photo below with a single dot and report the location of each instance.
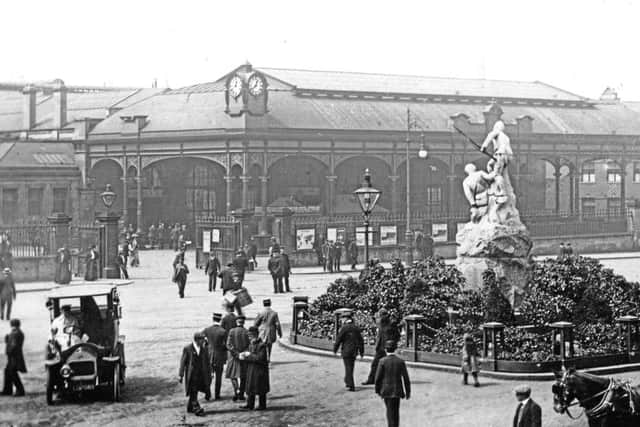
(320, 213)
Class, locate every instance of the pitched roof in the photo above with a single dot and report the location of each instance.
(19, 154)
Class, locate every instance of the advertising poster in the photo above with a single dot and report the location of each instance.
(388, 235)
(215, 235)
(360, 236)
(305, 238)
(206, 241)
(439, 232)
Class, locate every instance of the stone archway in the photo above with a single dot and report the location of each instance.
(300, 181)
(349, 176)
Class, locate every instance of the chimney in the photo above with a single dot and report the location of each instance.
(28, 107)
(59, 104)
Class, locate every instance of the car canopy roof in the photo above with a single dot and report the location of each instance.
(80, 291)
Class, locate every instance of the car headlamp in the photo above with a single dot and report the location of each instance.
(65, 371)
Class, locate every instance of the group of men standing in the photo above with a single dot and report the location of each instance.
(244, 352)
(280, 268)
(329, 254)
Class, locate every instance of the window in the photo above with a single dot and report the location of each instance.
(35, 202)
(636, 172)
(614, 173)
(9, 205)
(588, 206)
(588, 173)
(59, 200)
(434, 196)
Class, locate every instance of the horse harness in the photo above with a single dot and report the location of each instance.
(606, 405)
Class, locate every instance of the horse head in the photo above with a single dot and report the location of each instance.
(564, 390)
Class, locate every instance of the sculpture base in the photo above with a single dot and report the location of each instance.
(515, 270)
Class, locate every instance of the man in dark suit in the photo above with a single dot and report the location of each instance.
(528, 412)
(391, 375)
(350, 338)
(231, 282)
(386, 331)
(211, 270)
(276, 269)
(241, 264)
(337, 255)
(286, 268)
(195, 368)
(216, 337)
(15, 360)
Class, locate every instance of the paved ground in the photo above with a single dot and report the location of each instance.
(306, 390)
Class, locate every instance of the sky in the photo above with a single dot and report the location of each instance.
(580, 46)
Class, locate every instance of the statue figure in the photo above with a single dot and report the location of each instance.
(476, 189)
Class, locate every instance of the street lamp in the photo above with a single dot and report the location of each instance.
(422, 154)
(108, 196)
(367, 197)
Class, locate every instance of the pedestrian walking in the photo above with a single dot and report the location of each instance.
(230, 282)
(180, 276)
(286, 268)
(392, 383)
(134, 249)
(236, 371)
(352, 253)
(211, 269)
(241, 264)
(350, 339)
(125, 251)
(269, 325)
(121, 261)
(387, 331)
(528, 412)
(195, 369)
(7, 294)
(15, 360)
(470, 360)
(337, 255)
(216, 337)
(252, 252)
(63, 266)
(257, 363)
(277, 271)
(91, 265)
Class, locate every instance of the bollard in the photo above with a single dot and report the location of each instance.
(300, 306)
(412, 322)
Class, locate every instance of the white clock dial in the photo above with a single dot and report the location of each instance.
(235, 86)
(256, 85)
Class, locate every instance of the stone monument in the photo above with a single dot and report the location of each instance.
(494, 237)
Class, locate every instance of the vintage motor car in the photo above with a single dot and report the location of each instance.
(85, 350)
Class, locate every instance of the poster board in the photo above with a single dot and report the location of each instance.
(305, 238)
(360, 236)
(206, 241)
(388, 235)
(439, 232)
(215, 235)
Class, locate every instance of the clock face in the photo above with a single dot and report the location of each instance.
(235, 86)
(256, 85)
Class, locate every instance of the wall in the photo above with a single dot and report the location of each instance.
(585, 243)
(34, 269)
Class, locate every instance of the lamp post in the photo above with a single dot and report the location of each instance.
(367, 197)
(422, 153)
(109, 238)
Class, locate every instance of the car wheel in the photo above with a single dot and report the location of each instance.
(49, 388)
(115, 383)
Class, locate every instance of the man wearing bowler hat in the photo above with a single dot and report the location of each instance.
(216, 337)
(269, 324)
(350, 338)
(392, 383)
(528, 412)
(194, 367)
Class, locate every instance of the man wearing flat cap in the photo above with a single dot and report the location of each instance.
(216, 337)
(267, 320)
(257, 371)
(195, 369)
(350, 339)
(392, 382)
(528, 412)
(237, 342)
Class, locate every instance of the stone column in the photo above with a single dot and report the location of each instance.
(228, 179)
(623, 185)
(263, 199)
(109, 246)
(395, 201)
(557, 174)
(125, 194)
(139, 182)
(332, 194)
(245, 191)
(60, 223)
(572, 177)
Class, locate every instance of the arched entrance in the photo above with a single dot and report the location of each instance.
(300, 181)
(350, 175)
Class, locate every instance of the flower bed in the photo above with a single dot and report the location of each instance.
(574, 289)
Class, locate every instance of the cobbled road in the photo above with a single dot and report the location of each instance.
(306, 390)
